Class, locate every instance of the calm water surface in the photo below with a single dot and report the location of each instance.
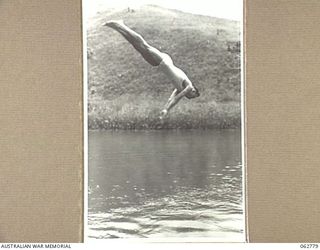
(155, 184)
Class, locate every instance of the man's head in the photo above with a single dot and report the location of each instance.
(193, 93)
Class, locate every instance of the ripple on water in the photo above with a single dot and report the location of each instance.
(188, 213)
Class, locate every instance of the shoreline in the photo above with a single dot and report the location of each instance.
(127, 115)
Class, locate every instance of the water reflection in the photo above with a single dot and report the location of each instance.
(165, 184)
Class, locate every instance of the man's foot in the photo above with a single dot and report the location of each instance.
(114, 23)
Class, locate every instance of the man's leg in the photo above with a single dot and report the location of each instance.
(149, 53)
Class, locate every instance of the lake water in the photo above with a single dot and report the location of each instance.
(166, 184)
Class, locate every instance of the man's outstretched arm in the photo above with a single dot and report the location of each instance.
(174, 93)
(174, 99)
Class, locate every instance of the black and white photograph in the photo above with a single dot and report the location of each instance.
(165, 120)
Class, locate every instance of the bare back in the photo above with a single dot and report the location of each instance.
(174, 73)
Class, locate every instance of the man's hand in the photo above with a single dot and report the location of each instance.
(163, 113)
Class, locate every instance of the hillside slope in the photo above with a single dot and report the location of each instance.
(126, 92)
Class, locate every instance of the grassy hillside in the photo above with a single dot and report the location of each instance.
(125, 92)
